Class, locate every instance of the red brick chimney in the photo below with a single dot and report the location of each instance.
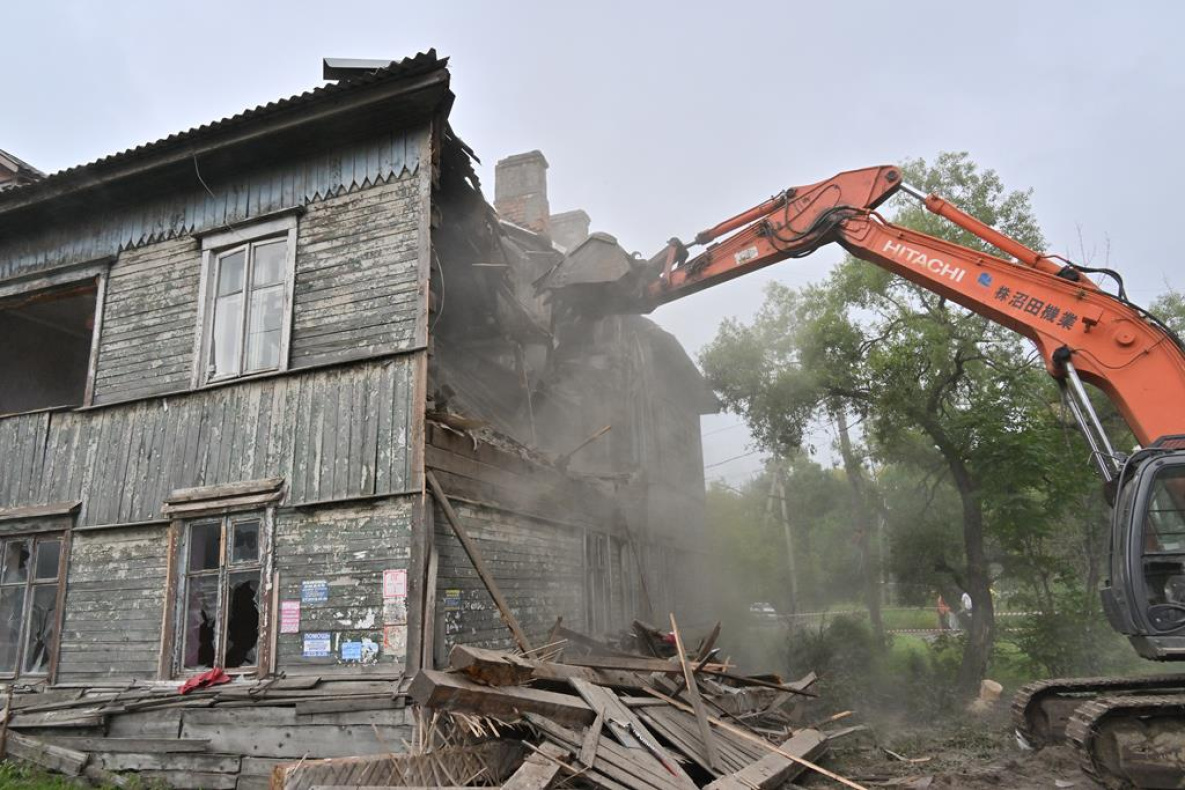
(520, 191)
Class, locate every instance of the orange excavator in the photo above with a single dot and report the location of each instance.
(1127, 731)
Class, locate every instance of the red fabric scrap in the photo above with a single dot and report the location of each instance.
(211, 677)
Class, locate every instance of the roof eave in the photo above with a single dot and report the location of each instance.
(229, 134)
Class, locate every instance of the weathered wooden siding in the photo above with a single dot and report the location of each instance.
(299, 181)
(114, 604)
(539, 566)
(22, 457)
(357, 293)
(150, 313)
(349, 547)
(331, 434)
(357, 274)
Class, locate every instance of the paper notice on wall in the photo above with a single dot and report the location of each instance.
(316, 645)
(316, 591)
(395, 611)
(351, 651)
(394, 583)
(452, 600)
(289, 617)
(395, 640)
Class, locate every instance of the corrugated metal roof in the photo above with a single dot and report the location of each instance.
(408, 67)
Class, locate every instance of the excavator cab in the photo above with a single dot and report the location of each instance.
(1145, 596)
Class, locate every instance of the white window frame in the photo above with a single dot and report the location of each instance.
(214, 247)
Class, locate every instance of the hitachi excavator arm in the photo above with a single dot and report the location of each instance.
(1076, 326)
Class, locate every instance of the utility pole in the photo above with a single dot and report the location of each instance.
(777, 490)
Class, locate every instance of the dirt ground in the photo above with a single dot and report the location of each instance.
(975, 753)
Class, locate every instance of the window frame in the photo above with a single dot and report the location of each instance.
(178, 590)
(30, 584)
(94, 271)
(216, 247)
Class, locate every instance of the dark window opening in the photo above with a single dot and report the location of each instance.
(29, 577)
(46, 349)
(222, 594)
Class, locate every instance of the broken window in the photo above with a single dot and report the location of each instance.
(249, 302)
(29, 580)
(221, 594)
(46, 350)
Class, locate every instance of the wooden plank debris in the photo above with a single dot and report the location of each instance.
(697, 703)
(776, 769)
(52, 757)
(540, 771)
(452, 692)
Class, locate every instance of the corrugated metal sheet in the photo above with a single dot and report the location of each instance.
(216, 205)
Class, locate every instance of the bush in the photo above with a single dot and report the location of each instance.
(910, 676)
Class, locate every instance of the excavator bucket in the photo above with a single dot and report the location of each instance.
(598, 277)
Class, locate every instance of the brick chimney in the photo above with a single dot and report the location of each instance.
(520, 191)
(569, 228)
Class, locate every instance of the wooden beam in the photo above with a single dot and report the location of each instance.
(701, 715)
(55, 758)
(454, 692)
(479, 564)
(498, 668)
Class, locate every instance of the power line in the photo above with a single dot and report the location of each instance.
(725, 428)
(734, 458)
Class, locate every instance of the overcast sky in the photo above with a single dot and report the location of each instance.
(659, 119)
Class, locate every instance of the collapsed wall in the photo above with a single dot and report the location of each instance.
(529, 378)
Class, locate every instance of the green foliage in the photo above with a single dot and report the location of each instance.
(913, 676)
(17, 776)
(1170, 308)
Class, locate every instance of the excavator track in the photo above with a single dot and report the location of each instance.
(1131, 741)
(1041, 711)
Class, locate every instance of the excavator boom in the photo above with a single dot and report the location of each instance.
(1075, 325)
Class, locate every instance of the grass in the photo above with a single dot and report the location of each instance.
(19, 777)
(14, 776)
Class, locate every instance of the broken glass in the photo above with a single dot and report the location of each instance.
(242, 628)
(16, 562)
(201, 622)
(43, 621)
(12, 608)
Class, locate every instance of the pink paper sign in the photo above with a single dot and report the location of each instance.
(395, 583)
(289, 617)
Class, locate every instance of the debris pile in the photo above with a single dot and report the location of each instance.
(586, 714)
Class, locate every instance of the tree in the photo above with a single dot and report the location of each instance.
(938, 387)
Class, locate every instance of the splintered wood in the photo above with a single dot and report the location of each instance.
(662, 718)
(654, 711)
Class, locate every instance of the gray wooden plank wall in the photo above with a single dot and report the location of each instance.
(348, 546)
(114, 604)
(301, 181)
(356, 294)
(149, 315)
(331, 433)
(357, 275)
(538, 565)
